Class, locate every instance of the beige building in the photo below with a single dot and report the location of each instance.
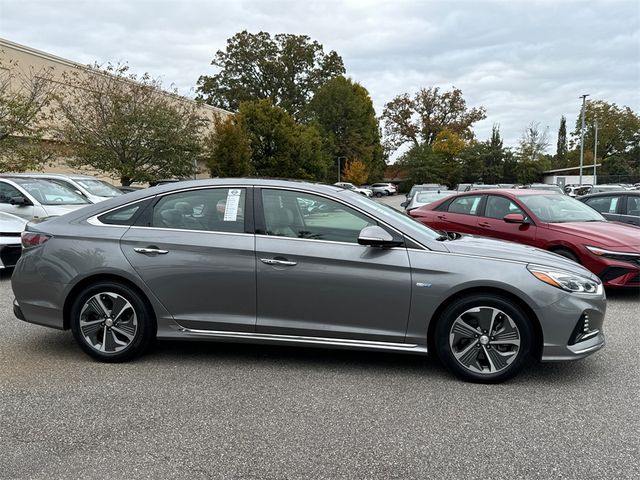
(14, 55)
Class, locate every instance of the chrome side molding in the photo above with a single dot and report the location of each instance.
(295, 339)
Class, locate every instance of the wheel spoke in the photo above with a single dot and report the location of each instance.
(116, 340)
(494, 314)
(120, 305)
(460, 327)
(126, 331)
(469, 356)
(89, 328)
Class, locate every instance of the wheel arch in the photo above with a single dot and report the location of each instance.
(102, 277)
(538, 340)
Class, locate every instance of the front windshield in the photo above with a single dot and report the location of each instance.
(50, 193)
(553, 208)
(385, 212)
(99, 188)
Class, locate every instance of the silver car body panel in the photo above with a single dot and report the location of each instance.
(215, 286)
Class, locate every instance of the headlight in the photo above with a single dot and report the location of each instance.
(567, 281)
(622, 256)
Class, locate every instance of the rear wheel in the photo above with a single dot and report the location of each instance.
(484, 338)
(111, 322)
(378, 194)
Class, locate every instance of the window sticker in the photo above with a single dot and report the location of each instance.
(231, 206)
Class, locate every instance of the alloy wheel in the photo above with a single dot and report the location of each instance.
(108, 322)
(484, 340)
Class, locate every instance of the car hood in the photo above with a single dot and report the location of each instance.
(57, 210)
(503, 250)
(607, 234)
(11, 224)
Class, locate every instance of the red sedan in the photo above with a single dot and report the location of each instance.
(545, 220)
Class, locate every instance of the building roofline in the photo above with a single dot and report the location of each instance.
(584, 167)
(70, 63)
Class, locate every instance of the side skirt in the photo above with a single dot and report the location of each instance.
(267, 338)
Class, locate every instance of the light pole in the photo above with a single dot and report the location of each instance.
(339, 169)
(584, 100)
(595, 154)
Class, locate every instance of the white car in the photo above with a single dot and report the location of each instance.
(350, 186)
(11, 228)
(93, 189)
(31, 198)
(382, 189)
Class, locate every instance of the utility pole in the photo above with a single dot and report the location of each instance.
(595, 154)
(339, 169)
(584, 100)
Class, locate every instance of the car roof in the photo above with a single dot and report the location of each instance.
(520, 192)
(47, 175)
(609, 193)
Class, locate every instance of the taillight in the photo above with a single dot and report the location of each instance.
(33, 239)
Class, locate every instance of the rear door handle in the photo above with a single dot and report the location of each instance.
(442, 217)
(273, 261)
(148, 250)
(484, 224)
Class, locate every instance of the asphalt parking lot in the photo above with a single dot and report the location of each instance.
(228, 411)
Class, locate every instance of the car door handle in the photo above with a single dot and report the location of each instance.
(442, 217)
(273, 261)
(484, 224)
(148, 250)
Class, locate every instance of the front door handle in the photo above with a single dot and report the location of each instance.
(442, 217)
(148, 250)
(484, 224)
(273, 261)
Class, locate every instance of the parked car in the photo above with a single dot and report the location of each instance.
(367, 192)
(547, 187)
(618, 206)
(577, 190)
(425, 187)
(129, 189)
(95, 190)
(31, 198)
(545, 220)
(427, 197)
(167, 263)
(606, 188)
(482, 186)
(11, 228)
(382, 189)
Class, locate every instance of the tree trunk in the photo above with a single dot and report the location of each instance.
(125, 181)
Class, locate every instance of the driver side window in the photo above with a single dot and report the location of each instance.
(7, 192)
(302, 215)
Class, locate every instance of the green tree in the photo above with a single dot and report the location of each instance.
(420, 119)
(286, 68)
(530, 154)
(423, 165)
(25, 95)
(618, 130)
(228, 151)
(279, 146)
(485, 161)
(344, 112)
(560, 160)
(125, 126)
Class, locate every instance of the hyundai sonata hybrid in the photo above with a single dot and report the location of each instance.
(246, 260)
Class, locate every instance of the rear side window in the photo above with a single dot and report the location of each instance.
(604, 204)
(467, 205)
(122, 216)
(633, 205)
(212, 209)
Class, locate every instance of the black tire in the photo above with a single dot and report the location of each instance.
(133, 326)
(510, 319)
(567, 254)
(378, 194)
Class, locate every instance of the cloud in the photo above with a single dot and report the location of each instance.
(522, 60)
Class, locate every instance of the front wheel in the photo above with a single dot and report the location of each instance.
(484, 338)
(378, 194)
(111, 322)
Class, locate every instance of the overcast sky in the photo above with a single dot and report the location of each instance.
(523, 60)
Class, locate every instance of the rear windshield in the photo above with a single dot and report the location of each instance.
(99, 188)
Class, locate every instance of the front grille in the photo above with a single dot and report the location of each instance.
(613, 272)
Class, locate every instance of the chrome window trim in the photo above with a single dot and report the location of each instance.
(366, 214)
(271, 337)
(216, 232)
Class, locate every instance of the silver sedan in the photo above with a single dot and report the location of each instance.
(245, 261)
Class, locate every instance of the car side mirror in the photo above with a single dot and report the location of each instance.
(20, 201)
(514, 218)
(375, 236)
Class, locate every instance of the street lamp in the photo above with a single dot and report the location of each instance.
(339, 169)
(584, 100)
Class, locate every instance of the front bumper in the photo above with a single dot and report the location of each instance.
(559, 321)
